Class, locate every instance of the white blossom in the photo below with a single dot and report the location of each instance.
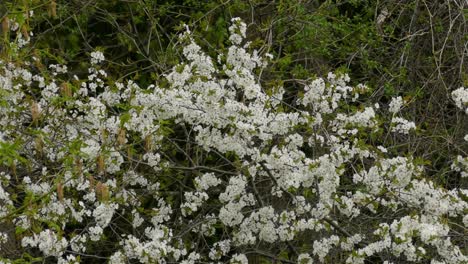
(402, 125)
(239, 259)
(460, 96)
(97, 57)
(48, 242)
(395, 105)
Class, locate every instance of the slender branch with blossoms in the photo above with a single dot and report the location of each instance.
(209, 165)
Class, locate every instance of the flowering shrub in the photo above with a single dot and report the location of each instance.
(211, 166)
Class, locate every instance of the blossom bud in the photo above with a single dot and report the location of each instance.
(105, 193)
(121, 136)
(98, 188)
(102, 191)
(35, 112)
(5, 26)
(66, 90)
(100, 164)
(39, 145)
(24, 32)
(92, 182)
(148, 143)
(60, 191)
(53, 9)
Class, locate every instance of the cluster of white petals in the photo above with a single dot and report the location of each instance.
(395, 105)
(97, 57)
(402, 125)
(460, 96)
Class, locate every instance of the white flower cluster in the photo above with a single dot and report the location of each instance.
(103, 213)
(3, 239)
(461, 165)
(48, 242)
(206, 181)
(220, 249)
(193, 200)
(322, 247)
(212, 165)
(97, 57)
(57, 68)
(5, 200)
(237, 30)
(325, 99)
(395, 105)
(388, 173)
(236, 198)
(399, 238)
(460, 96)
(239, 259)
(401, 125)
(398, 124)
(364, 119)
(304, 258)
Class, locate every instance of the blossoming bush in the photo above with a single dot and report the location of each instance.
(210, 165)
